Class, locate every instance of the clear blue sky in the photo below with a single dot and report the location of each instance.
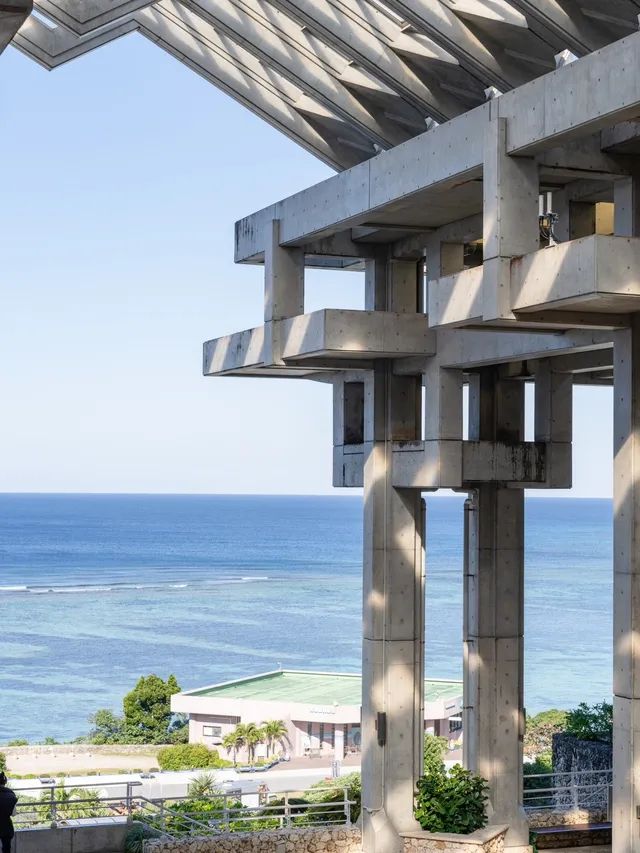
(124, 173)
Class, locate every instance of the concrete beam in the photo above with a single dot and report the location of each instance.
(573, 102)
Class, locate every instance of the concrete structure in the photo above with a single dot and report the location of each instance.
(321, 710)
(464, 286)
(461, 265)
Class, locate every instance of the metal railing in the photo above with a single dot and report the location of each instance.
(60, 805)
(588, 790)
(227, 812)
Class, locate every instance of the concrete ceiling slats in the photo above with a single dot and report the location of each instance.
(344, 78)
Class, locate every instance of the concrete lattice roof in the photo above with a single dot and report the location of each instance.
(344, 78)
(313, 688)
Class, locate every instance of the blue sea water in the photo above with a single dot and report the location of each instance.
(96, 590)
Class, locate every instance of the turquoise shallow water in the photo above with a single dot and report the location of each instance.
(98, 589)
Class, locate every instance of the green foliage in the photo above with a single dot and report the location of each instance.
(70, 804)
(540, 729)
(190, 756)
(204, 785)
(274, 733)
(434, 751)
(333, 791)
(3, 761)
(531, 770)
(50, 741)
(147, 709)
(137, 835)
(591, 722)
(107, 727)
(453, 802)
(18, 742)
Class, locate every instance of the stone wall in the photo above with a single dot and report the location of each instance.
(487, 840)
(573, 755)
(37, 750)
(574, 817)
(340, 839)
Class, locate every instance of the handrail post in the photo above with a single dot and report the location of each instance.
(225, 813)
(287, 809)
(128, 801)
(347, 807)
(52, 805)
(574, 791)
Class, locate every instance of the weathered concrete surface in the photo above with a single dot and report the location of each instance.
(98, 838)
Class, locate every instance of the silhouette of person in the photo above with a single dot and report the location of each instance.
(8, 802)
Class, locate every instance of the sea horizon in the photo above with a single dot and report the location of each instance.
(97, 589)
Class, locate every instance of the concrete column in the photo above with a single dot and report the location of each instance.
(283, 289)
(510, 218)
(393, 608)
(494, 614)
(338, 743)
(626, 590)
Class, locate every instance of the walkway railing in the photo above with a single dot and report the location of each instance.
(588, 790)
(60, 805)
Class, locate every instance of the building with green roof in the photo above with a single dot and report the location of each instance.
(320, 709)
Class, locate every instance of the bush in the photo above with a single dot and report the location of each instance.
(454, 802)
(3, 761)
(531, 770)
(190, 756)
(591, 722)
(333, 792)
(540, 729)
(434, 750)
(137, 835)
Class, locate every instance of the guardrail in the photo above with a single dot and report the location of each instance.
(588, 790)
(221, 811)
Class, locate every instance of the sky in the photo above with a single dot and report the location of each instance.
(124, 173)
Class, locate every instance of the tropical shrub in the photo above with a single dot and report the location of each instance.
(137, 835)
(204, 785)
(591, 722)
(3, 761)
(434, 750)
(534, 780)
(70, 804)
(540, 729)
(332, 791)
(190, 756)
(451, 802)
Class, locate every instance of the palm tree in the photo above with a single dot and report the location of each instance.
(275, 733)
(234, 741)
(253, 735)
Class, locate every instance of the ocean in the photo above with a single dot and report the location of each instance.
(96, 590)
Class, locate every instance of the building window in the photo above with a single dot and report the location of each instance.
(321, 736)
(212, 731)
(455, 724)
(309, 729)
(332, 735)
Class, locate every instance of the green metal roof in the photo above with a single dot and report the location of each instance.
(313, 688)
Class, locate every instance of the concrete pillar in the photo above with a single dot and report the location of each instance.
(510, 218)
(494, 614)
(393, 607)
(338, 742)
(626, 590)
(283, 289)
